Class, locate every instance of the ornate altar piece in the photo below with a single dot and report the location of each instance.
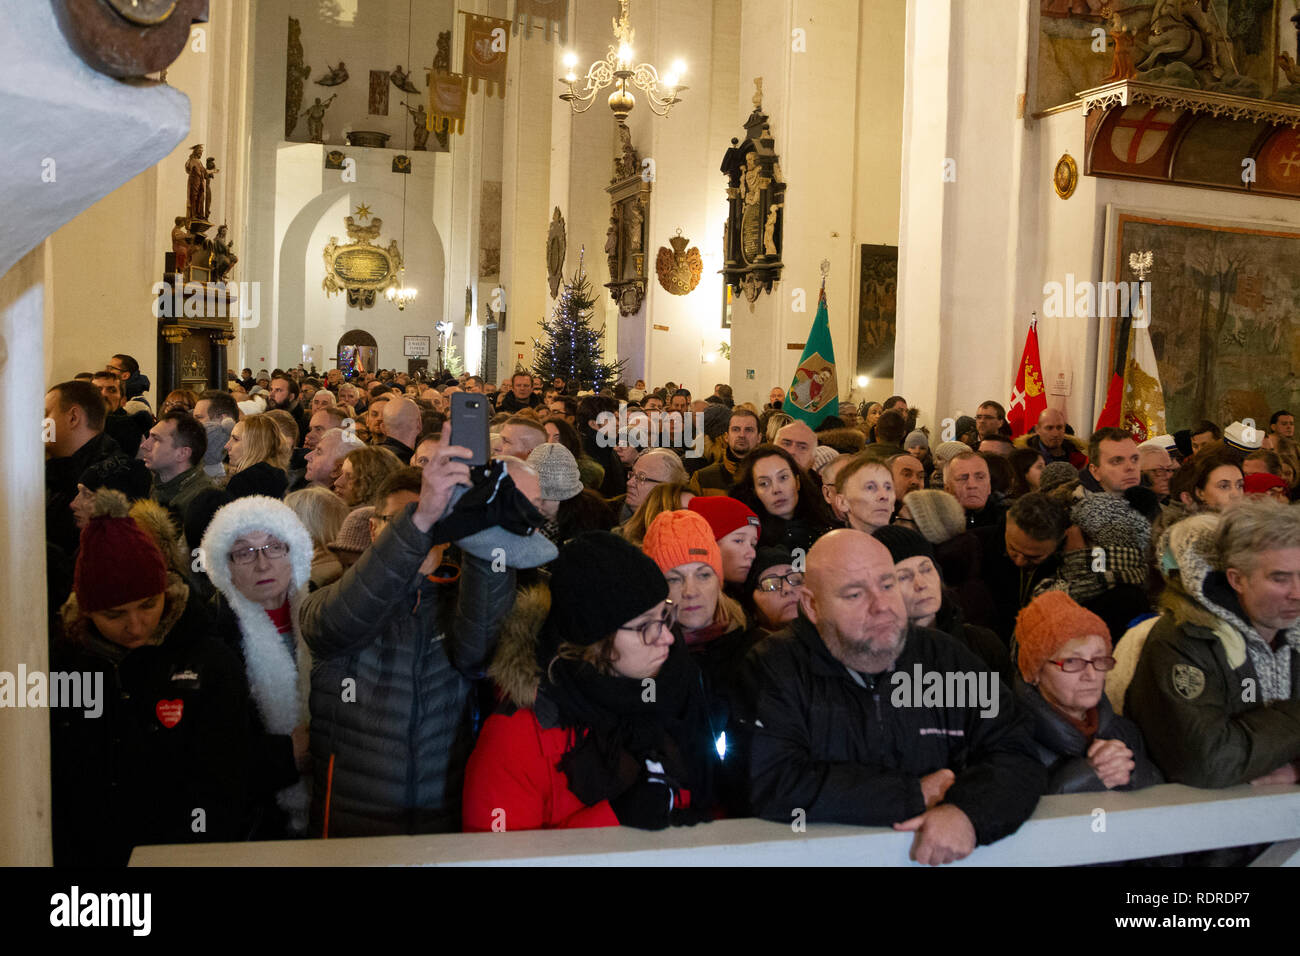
(556, 246)
(752, 238)
(627, 237)
(360, 268)
(679, 269)
(195, 300)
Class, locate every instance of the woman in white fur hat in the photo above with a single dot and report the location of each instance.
(258, 555)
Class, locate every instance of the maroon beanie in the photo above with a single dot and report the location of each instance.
(723, 514)
(117, 564)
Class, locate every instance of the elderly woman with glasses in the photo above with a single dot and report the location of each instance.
(604, 719)
(1063, 653)
(772, 591)
(258, 556)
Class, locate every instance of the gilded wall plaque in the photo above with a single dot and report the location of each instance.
(360, 268)
(679, 269)
(1066, 176)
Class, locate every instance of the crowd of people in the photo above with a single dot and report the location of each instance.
(315, 619)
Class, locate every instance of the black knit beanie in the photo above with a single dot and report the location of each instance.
(765, 558)
(598, 583)
(904, 543)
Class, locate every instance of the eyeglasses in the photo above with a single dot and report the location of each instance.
(643, 479)
(1073, 665)
(777, 582)
(650, 630)
(1165, 470)
(276, 549)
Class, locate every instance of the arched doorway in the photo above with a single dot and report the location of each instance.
(358, 352)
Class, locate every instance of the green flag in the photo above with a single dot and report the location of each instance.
(814, 393)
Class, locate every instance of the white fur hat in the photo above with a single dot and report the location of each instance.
(278, 683)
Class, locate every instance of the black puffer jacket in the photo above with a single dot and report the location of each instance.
(978, 640)
(171, 739)
(393, 719)
(1064, 751)
(843, 753)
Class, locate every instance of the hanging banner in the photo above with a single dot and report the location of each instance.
(552, 13)
(447, 94)
(486, 45)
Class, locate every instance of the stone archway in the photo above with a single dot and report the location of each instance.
(357, 351)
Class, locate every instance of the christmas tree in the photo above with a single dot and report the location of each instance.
(451, 358)
(572, 349)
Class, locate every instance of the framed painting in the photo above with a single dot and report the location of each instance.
(1225, 313)
(877, 311)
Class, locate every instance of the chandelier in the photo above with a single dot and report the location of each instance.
(401, 294)
(617, 69)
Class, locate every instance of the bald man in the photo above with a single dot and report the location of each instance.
(1051, 441)
(402, 424)
(800, 441)
(859, 717)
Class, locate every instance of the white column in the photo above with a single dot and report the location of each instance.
(98, 132)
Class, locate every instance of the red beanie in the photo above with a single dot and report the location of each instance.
(1048, 623)
(117, 564)
(1261, 483)
(675, 538)
(723, 514)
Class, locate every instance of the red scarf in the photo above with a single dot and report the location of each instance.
(281, 618)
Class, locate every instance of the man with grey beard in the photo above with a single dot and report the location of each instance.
(850, 716)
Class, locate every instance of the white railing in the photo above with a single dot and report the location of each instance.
(1064, 831)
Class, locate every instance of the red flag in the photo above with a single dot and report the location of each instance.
(1028, 397)
(1109, 417)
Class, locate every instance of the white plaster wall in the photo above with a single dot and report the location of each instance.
(106, 260)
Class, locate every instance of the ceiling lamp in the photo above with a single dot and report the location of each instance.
(617, 69)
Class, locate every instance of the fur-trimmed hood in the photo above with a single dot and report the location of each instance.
(279, 682)
(78, 628)
(1074, 441)
(515, 669)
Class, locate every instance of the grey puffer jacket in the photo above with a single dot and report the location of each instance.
(393, 708)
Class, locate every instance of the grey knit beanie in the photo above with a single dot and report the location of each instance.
(938, 515)
(1109, 521)
(218, 435)
(949, 450)
(557, 470)
(1056, 474)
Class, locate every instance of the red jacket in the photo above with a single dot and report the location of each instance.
(512, 781)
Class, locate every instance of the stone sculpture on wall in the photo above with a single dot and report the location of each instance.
(752, 239)
(295, 73)
(627, 238)
(556, 246)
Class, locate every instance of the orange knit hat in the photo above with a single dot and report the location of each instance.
(1048, 623)
(675, 538)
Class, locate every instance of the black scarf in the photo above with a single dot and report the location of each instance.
(618, 730)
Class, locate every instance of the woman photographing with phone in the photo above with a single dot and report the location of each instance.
(604, 719)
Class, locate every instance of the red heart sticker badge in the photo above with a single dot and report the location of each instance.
(169, 712)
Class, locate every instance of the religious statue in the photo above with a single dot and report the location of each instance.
(223, 255)
(769, 231)
(442, 58)
(181, 244)
(197, 186)
(749, 179)
(611, 248)
(635, 217)
(556, 246)
(335, 76)
(625, 162)
(316, 118)
(402, 80)
(420, 119)
(209, 172)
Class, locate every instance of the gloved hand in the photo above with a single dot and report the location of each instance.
(646, 805)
